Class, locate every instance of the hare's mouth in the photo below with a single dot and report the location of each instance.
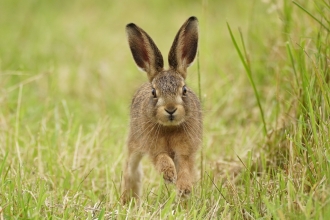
(170, 120)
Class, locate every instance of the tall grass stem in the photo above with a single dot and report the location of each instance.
(200, 98)
(248, 71)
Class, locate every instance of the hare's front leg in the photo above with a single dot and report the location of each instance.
(186, 174)
(165, 165)
(132, 177)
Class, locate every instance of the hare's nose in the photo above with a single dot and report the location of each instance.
(171, 111)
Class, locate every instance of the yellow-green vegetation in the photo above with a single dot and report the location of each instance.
(67, 78)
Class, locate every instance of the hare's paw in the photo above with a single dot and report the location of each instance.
(169, 174)
(184, 189)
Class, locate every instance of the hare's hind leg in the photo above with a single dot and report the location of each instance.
(132, 180)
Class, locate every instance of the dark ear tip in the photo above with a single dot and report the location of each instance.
(192, 18)
(130, 25)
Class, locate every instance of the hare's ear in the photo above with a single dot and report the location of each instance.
(145, 52)
(184, 47)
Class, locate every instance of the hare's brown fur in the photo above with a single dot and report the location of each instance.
(166, 119)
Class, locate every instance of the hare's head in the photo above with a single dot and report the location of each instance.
(170, 102)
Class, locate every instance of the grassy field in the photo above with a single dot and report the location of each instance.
(67, 78)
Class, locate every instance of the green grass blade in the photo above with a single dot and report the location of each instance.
(199, 78)
(248, 71)
(317, 20)
(312, 117)
(3, 163)
(292, 63)
(200, 98)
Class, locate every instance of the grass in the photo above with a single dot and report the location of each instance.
(67, 78)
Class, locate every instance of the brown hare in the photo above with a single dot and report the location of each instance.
(166, 118)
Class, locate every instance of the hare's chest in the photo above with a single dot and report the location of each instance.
(180, 144)
(172, 142)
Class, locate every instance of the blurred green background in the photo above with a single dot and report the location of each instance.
(76, 52)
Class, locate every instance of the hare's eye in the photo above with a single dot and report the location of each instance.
(184, 90)
(153, 92)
